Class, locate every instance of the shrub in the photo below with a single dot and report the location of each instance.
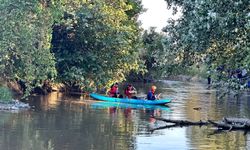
(5, 95)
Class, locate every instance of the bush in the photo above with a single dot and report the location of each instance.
(5, 95)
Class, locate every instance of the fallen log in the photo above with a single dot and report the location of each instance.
(177, 123)
(232, 124)
(241, 121)
(183, 122)
(164, 127)
(225, 124)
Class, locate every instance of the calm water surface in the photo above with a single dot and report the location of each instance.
(63, 122)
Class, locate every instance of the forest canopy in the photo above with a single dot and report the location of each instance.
(214, 33)
(75, 42)
(91, 44)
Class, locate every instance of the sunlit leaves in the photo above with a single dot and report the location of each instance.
(98, 44)
(94, 42)
(25, 42)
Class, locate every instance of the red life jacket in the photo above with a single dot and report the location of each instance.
(113, 91)
(128, 92)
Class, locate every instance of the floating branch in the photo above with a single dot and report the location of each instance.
(237, 121)
(232, 124)
(164, 127)
(178, 123)
(225, 124)
(183, 122)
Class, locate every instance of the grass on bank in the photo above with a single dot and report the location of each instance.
(5, 95)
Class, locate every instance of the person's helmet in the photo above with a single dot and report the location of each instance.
(153, 87)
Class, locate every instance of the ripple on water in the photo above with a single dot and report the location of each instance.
(65, 122)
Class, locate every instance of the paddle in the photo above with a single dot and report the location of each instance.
(158, 96)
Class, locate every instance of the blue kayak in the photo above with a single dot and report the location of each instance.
(104, 105)
(131, 101)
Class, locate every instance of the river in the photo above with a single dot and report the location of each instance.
(74, 122)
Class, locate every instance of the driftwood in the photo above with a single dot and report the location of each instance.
(183, 122)
(232, 124)
(178, 123)
(237, 121)
(225, 124)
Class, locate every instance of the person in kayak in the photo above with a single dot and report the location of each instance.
(151, 94)
(114, 92)
(129, 91)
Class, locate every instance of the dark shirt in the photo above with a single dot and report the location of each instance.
(151, 96)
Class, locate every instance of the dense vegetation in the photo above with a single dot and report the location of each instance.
(5, 95)
(79, 43)
(98, 44)
(88, 44)
(25, 42)
(214, 33)
(151, 52)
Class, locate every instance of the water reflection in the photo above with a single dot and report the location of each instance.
(59, 121)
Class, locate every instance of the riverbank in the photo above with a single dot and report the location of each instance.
(14, 105)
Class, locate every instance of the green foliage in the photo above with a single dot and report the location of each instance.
(212, 32)
(151, 53)
(98, 44)
(25, 42)
(5, 95)
(94, 42)
(135, 8)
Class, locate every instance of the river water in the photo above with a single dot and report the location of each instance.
(74, 122)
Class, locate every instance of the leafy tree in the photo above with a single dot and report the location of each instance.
(86, 35)
(98, 44)
(211, 32)
(151, 53)
(25, 42)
